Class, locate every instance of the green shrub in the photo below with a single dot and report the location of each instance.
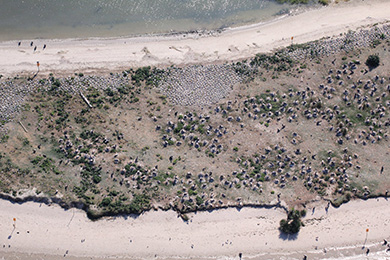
(293, 223)
(26, 142)
(96, 179)
(323, 2)
(199, 200)
(139, 203)
(192, 192)
(36, 160)
(372, 61)
(105, 202)
(142, 74)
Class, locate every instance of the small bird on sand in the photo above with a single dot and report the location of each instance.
(44, 47)
(35, 48)
(19, 43)
(31, 44)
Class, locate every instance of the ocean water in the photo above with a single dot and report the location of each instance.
(31, 19)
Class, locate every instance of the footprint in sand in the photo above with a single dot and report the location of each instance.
(148, 57)
(145, 50)
(233, 48)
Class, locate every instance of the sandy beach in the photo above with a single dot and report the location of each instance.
(115, 54)
(47, 232)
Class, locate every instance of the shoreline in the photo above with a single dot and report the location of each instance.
(50, 232)
(104, 55)
(194, 33)
(268, 10)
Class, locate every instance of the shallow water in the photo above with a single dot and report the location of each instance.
(29, 19)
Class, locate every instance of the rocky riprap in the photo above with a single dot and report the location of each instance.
(198, 85)
(351, 40)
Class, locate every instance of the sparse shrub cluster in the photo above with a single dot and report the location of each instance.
(278, 62)
(145, 74)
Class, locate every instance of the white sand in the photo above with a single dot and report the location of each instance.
(105, 55)
(221, 234)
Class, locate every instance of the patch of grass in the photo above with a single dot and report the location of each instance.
(199, 200)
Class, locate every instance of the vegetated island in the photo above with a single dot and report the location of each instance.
(308, 122)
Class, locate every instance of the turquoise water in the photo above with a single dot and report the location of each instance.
(29, 19)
